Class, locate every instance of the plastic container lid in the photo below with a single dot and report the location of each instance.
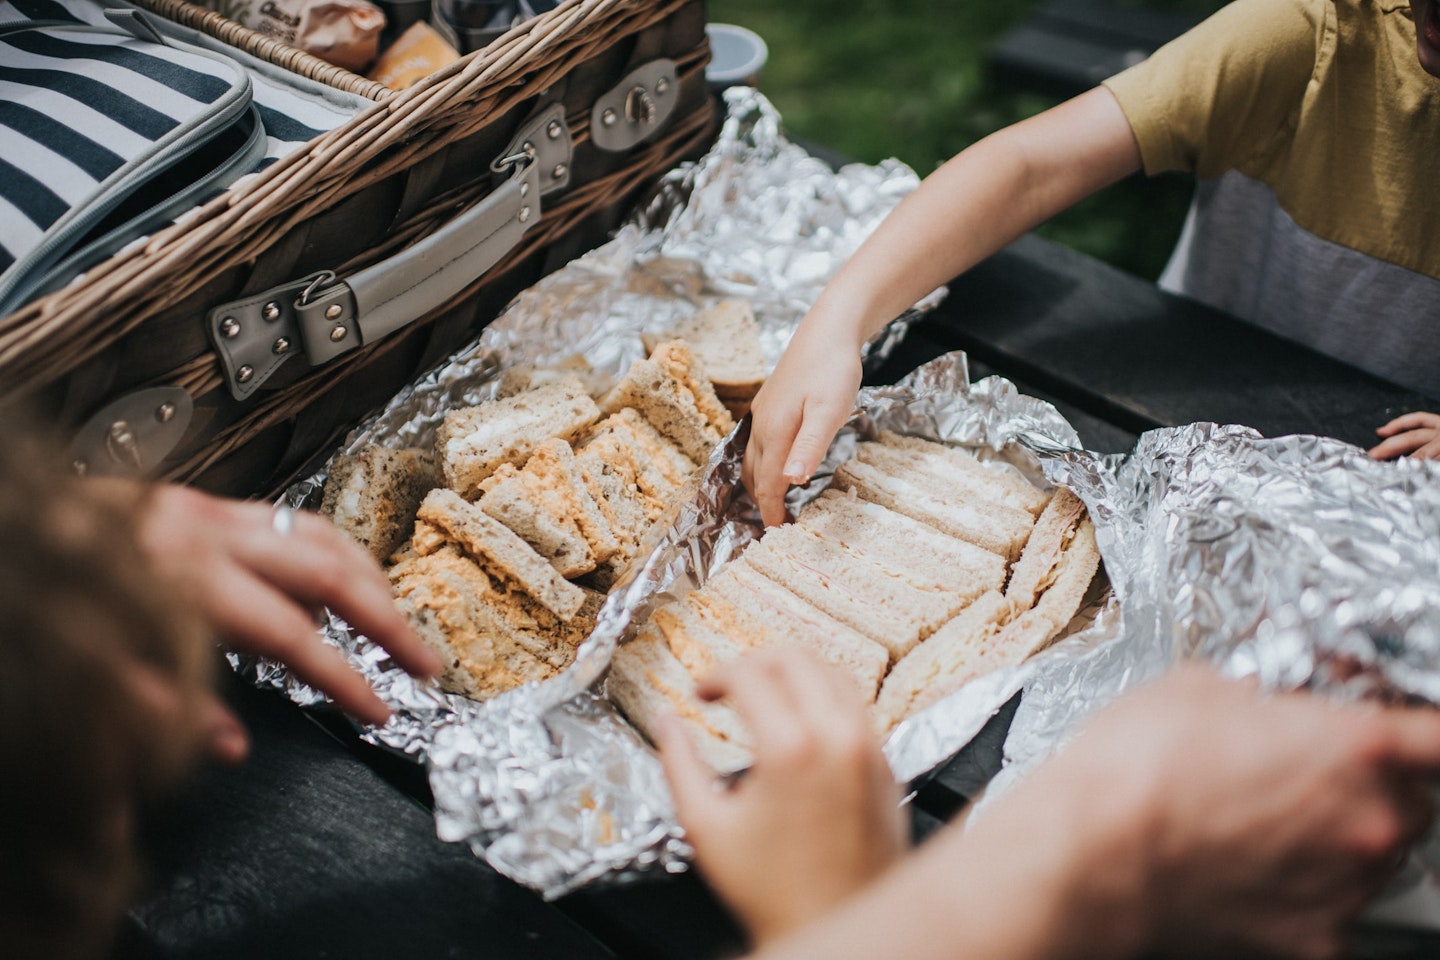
(736, 54)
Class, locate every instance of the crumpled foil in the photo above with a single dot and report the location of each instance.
(1296, 560)
(548, 782)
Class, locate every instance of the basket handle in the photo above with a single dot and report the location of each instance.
(323, 316)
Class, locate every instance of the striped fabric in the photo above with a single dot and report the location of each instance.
(68, 132)
(76, 110)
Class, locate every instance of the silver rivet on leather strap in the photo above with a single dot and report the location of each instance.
(338, 334)
(123, 447)
(282, 345)
(246, 349)
(559, 171)
(271, 312)
(333, 311)
(132, 434)
(543, 138)
(636, 108)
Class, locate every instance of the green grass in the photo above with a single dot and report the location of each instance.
(906, 78)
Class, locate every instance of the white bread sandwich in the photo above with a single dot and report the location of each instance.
(699, 639)
(726, 340)
(987, 524)
(959, 651)
(647, 682)
(993, 632)
(501, 552)
(1066, 584)
(994, 482)
(925, 557)
(473, 442)
(1050, 542)
(671, 394)
(769, 614)
(373, 495)
(873, 598)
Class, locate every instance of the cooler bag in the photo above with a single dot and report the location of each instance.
(232, 346)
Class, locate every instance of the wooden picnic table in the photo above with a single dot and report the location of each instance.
(320, 846)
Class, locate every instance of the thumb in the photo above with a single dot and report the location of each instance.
(691, 780)
(811, 443)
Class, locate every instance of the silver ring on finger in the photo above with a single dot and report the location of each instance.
(283, 519)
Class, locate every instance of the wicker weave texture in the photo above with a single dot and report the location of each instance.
(44, 340)
(266, 48)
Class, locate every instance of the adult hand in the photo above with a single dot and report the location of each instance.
(797, 413)
(815, 818)
(1254, 823)
(256, 583)
(1413, 434)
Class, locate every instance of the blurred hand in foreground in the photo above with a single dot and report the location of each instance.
(1413, 434)
(816, 818)
(256, 583)
(1196, 817)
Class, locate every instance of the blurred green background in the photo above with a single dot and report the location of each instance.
(872, 79)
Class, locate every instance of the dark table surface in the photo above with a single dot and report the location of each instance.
(320, 846)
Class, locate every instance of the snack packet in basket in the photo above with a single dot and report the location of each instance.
(343, 32)
(418, 52)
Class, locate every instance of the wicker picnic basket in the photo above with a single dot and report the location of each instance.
(132, 361)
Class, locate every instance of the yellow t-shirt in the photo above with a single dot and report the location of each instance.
(1323, 100)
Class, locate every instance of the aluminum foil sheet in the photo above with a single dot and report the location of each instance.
(548, 782)
(1296, 560)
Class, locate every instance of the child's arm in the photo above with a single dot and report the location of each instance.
(978, 202)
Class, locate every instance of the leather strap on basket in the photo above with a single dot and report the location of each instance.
(323, 317)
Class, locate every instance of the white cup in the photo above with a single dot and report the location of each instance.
(736, 56)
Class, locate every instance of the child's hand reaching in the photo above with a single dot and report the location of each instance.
(1414, 434)
(815, 819)
(797, 413)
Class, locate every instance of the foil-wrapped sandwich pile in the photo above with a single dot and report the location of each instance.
(1295, 559)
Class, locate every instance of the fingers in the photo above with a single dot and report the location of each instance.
(225, 736)
(1415, 434)
(318, 565)
(792, 702)
(763, 469)
(822, 418)
(1400, 445)
(692, 781)
(1413, 739)
(1410, 421)
(218, 729)
(253, 617)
